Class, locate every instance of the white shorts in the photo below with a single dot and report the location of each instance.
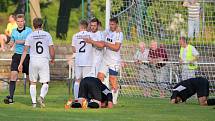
(83, 71)
(106, 67)
(39, 69)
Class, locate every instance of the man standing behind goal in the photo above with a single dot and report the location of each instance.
(111, 60)
(41, 48)
(83, 55)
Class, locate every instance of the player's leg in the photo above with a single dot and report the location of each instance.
(44, 74)
(33, 76)
(82, 95)
(13, 78)
(190, 28)
(102, 71)
(202, 91)
(94, 89)
(113, 72)
(78, 75)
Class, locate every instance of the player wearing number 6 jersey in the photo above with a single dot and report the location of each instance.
(83, 55)
(41, 48)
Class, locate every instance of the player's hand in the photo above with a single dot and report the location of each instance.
(20, 67)
(118, 29)
(110, 104)
(52, 61)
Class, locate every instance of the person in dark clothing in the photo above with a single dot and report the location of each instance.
(187, 88)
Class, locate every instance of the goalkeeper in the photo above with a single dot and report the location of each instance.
(95, 92)
(185, 89)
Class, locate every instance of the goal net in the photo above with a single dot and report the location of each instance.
(164, 21)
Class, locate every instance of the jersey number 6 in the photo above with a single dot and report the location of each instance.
(39, 48)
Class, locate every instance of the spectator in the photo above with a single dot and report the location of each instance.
(156, 55)
(193, 17)
(5, 38)
(188, 57)
(141, 56)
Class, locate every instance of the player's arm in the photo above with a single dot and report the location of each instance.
(20, 41)
(99, 44)
(23, 57)
(115, 47)
(52, 53)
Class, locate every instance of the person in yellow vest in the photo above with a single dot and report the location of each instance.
(5, 38)
(188, 58)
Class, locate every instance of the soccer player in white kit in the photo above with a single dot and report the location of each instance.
(97, 41)
(83, 55)
(41, 49)
(111, 60)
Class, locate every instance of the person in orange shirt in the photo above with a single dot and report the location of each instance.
(5, 38)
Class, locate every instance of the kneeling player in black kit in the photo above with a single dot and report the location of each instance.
(185, 89)
(95, 92)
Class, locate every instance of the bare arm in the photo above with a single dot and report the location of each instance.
(23, 57)
(73, 49)
(20, 41)
(115, 47)
(99, 44)
(52, 53)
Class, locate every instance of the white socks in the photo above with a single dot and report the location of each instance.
(44, 90)
(115, 96)
(76, 90)
(33, 93)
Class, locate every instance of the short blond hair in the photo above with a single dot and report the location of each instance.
(20, 16)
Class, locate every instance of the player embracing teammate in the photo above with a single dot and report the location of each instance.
(101, 53)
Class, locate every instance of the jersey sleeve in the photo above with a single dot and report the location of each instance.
(73, 40)
(50, 40)
(27, 41)
(119, 37)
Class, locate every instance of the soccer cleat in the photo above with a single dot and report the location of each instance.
(34, 105)
(40, 100)
(8, 100)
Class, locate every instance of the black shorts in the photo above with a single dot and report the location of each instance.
(15, 63)
(203, 87)
(90, 88)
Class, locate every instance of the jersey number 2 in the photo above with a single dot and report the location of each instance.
(39, 48)
(82, 50)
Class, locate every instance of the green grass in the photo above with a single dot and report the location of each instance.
(128, 109)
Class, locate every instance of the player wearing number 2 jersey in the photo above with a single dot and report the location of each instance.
(41, 48)
(83, 55)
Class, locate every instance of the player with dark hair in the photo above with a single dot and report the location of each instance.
(97, 41)
(111, 58)
(95, 92)
(41, 50)
(187, 88)
(18, 37)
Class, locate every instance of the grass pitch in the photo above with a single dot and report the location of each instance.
(128, 109)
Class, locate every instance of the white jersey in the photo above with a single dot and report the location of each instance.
(39, 42)
(97, 52)
(84, 51)
(112, 57)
